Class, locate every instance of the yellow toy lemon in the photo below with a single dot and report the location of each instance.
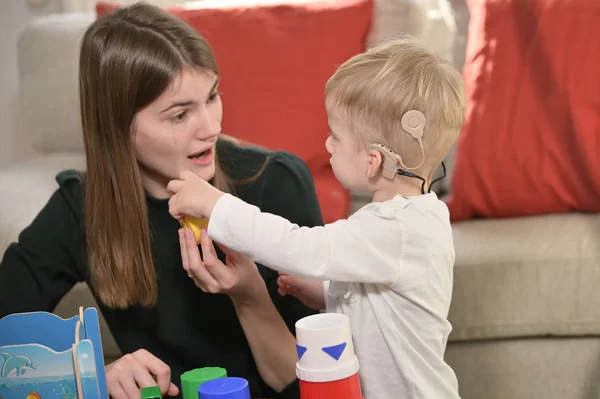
(196, 224)
(33, 395)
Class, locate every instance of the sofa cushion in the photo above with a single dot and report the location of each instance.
(527, 368)
(529, 144)
(522, 277)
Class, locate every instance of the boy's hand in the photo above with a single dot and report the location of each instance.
(192, 196)
(309, 292)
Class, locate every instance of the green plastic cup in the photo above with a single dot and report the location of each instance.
(192, 379)
(151, 393)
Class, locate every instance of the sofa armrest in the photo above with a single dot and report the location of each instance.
(29, 185)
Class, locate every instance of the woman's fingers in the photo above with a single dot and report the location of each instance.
(116, 392)
(137, 370)
(183, 245)
(142, 379)
(159, 369)
(208, 249)
(209, 273)
(196, 267)
(173, 390)
(119, 377)
(184, 251)
(130, 386)
(223, 274)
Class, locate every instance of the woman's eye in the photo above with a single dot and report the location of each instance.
(213, 96)
(179, 117)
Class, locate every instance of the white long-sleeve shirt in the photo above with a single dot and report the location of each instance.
(390, 266)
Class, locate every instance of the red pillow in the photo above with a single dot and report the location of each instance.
(274, 61)
(531, 139)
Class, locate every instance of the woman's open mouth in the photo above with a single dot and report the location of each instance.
(203, 158)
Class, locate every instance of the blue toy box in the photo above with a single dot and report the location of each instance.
(43, 356)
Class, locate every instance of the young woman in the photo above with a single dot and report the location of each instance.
(150, 109)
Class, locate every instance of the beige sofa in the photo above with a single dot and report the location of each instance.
(524, 305)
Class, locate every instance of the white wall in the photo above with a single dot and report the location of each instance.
(14, 16)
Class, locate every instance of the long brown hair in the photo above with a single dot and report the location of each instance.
(128, 59)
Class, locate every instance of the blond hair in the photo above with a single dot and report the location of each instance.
(374, 89)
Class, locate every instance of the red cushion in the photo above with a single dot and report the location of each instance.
(531, 139)
(274, 61)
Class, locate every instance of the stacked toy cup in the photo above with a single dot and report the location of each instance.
(327, 365)
(225, 388)
(192, 379)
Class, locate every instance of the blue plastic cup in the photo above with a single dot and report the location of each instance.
(224, 388)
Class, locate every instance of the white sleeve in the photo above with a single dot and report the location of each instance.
(347, 250)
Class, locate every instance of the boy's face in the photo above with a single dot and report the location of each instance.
(348, 160)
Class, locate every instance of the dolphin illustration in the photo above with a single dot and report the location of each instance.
(17, 364)
(67, 392)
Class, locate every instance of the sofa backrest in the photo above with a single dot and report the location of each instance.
(47, 50)
(47, 55)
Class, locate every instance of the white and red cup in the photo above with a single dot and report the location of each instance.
(327, 366)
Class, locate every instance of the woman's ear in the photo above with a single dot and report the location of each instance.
(374, 164)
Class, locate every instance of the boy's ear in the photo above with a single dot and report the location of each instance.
(375, 162)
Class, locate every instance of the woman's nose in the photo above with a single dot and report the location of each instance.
(208, 125)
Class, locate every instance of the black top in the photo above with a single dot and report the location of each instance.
(187, 329)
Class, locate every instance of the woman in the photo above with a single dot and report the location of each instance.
(150, 109)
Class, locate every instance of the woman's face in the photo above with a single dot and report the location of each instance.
(179, 131)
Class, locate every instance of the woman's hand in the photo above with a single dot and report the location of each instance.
(309, 292)
(238, 277)
(128, 375)
(272, 344)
